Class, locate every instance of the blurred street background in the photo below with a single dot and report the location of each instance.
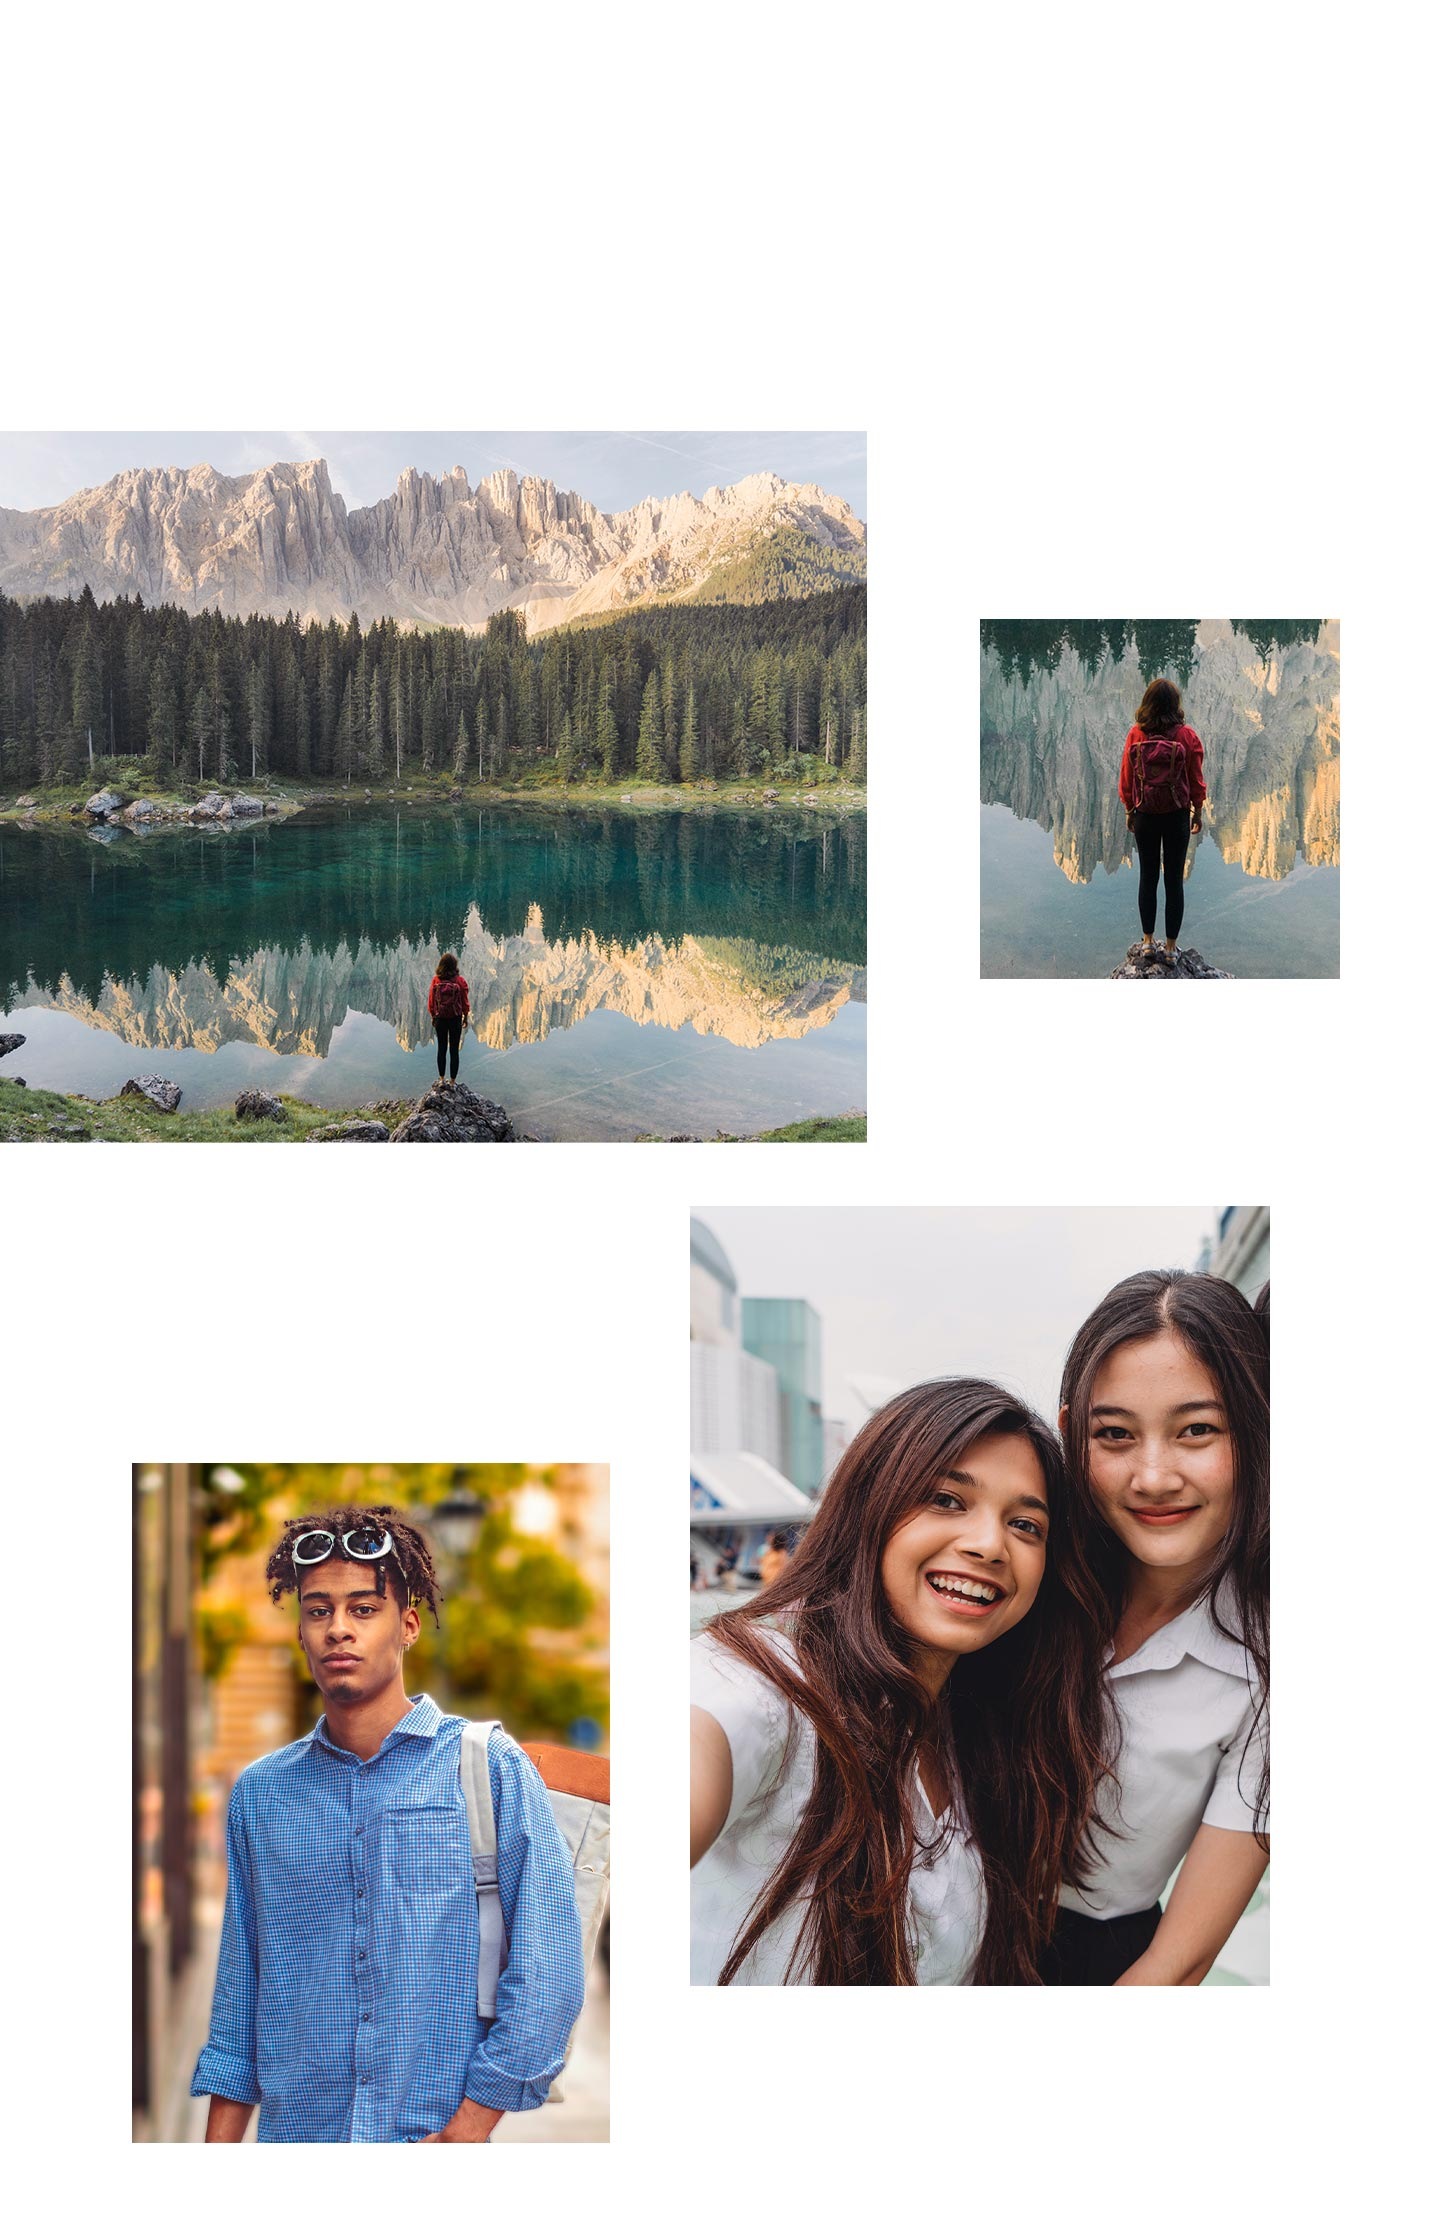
(805, 1320)
(523, 1555)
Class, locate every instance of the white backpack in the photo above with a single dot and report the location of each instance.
(584, 1824)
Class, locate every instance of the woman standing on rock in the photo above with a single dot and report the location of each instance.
(449, 1010)
(1165, 1411)
(1162, 789)
(894, 1748)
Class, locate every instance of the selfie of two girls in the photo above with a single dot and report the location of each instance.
(1000, 1717)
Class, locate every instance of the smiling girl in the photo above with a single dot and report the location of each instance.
(1166, 1418)
(894, 1749)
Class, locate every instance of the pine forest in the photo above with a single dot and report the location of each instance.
(678, 693)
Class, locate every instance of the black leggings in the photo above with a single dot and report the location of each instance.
(1167, 832)
(448, 1032)
(1093, 1953)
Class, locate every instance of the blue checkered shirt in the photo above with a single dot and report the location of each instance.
(345, 1997)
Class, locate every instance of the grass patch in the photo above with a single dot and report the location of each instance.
(56, 1118)
(824, 1129)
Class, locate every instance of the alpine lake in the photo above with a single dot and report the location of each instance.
(633, 971)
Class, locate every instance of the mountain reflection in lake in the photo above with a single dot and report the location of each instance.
(1057, 698)
(627, 971)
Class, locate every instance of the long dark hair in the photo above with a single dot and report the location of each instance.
(446, 966)
(1021, 1730)
(1232, 1342)
(1160, 708)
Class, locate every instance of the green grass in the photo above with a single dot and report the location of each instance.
(823, 1129)
(34, 1117)
(26, 1116)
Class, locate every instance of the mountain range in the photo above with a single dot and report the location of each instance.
(438, 552)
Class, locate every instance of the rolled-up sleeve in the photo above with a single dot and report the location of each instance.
(1237, 1781)
(226, 2066)
(543, 1985)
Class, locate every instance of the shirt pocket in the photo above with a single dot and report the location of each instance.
(430, 1850)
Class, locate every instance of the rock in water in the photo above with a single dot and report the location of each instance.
(244, 807)
(1151, 966)
(451, 1114)
(163, 1095)
(258, 1106)
(10, 1044)
(210, 806)
(350, 1133)
(103, 801)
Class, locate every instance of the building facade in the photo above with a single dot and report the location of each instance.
(785, 1335)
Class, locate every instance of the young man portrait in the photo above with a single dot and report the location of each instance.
(345, 1999)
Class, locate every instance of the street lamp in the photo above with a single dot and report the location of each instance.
(456, 1521)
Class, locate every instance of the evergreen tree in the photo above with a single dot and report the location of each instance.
(257, 706)
(462, 750)
(345, 730)
(690, 740)
(649, 762)
(162, 732)
(375, 728)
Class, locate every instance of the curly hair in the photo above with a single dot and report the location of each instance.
(409, 1555)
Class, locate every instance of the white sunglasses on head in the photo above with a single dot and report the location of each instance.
(365, 1545)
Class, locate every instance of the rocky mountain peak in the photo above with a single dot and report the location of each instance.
(435, 552)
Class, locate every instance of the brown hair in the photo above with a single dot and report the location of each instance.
(1160, 708)
(1231, 1341)
(446, 966)
(1021, 1731)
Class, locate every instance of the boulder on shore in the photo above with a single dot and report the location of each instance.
(350, 1133)
(103, 801)
(258, 1106)
(452, 1114)
(10, 1044)
(143, 808)
(162, 1094)
(1156, 966)
(210, 806)
(241, 807)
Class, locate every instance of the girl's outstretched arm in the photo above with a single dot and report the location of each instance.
(1221, 1872)
(711, 1782)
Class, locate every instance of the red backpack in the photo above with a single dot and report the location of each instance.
(449, 997)
(1162, 774)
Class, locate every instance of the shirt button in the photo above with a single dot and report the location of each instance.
(359, 1891)
(362, 1953)
(365, 2015)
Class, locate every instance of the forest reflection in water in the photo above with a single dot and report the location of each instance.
(739, 927)
(1057, 699)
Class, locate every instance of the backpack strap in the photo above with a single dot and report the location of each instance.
(475, 1780)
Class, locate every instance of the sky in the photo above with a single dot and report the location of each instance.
(613, 470)
(905, 1293)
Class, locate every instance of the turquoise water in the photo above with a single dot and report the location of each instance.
(629, 972)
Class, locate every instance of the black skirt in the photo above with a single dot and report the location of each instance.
(1093, 1953)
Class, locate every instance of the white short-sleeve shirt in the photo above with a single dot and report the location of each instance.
(772, 1755)
(1187, 1710)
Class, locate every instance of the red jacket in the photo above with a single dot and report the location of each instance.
(464, 994)
(1194, 759)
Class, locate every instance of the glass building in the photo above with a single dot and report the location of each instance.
(786, 1335)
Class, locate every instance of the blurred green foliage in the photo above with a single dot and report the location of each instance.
(512, 1605)
(219, 1631)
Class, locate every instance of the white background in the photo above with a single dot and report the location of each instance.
(1130, 301)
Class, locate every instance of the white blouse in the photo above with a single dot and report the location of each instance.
(772, 1755)
(1186, 1714)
